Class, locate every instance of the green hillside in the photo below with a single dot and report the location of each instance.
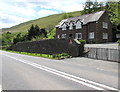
(48, 22)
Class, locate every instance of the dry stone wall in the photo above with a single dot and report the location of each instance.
(50, 46)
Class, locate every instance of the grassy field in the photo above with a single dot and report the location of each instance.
(48, 22)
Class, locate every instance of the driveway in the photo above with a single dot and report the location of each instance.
(105, 45)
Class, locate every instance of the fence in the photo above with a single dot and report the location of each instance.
(103, 54)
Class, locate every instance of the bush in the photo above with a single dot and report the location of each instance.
(61, 56)
(82, 41)
(6, 39)
(118, 42)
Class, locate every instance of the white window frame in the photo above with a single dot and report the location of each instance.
(117, 35)
(63, 35)
(105, 35)
(64, 27)
(91, 35)
(105, 25)
(78, 25)
(77, 36)
(71, 26)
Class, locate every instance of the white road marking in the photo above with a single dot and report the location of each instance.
(0, 88)
(92, 84)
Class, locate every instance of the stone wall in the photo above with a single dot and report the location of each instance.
(50, 46)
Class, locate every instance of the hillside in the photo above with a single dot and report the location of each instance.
(48, 22)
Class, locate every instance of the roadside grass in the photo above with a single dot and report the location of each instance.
(55, 56)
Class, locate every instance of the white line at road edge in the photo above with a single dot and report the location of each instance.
(0, 88)
(67, 76)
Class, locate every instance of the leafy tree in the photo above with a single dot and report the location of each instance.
(36, 32)
(95, 6)
(7, 39)
(113, 10)
(18, 38)
(88, 7)
(44, 32)
(101, 5)
(118, 26)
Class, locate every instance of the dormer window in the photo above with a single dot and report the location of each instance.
(78, 25)
(64, 27)
(71, 26)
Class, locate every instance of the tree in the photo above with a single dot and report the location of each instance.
(113, 11)
(31, 32)
(88, 7)
(118, 26)
(95, 6)
(18, 38)
(36, 33)
(6, 39)
(43, 31)
(101, 5)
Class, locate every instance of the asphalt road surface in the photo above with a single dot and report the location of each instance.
(22, 72)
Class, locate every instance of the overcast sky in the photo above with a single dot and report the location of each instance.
(13, 12)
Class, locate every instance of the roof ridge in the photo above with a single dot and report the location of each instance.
(86, 17)
(86, 14)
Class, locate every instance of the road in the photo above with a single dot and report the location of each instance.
(22, 72)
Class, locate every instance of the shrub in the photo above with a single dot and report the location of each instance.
(61, 56)
(118, 42)
(82, 41)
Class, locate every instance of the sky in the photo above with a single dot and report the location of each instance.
(13, 12)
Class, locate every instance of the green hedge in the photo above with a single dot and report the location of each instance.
(118, 42)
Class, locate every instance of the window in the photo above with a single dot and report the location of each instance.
(71, 26)
(117, 35)
(105, 25)
(63, 35)
(64, 27)
(78, 36)
(105, 35)
(78, 25)
(70, 35)
(91, 35)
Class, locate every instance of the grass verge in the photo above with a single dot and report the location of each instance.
(55, 56)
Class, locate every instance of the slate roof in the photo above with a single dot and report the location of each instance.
(86, 18)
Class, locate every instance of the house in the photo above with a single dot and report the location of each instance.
(94, 28)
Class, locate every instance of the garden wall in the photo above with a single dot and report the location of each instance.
(50, 46)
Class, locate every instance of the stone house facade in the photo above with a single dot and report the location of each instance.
(94, 28)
